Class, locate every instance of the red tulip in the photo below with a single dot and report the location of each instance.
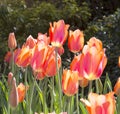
(70, 82)
(100, 104)
(58, 33)
(75, 41)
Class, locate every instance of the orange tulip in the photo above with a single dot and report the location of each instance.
(50, 62)
(75, 65)
(70, 82)
(12, 44)
(23, 57)
(92, 63)
(58, 33)
(94, 42)
(117, 87)
(39, 55)
(100, 104)
(75, 41)
(21, 89)
(119, 61)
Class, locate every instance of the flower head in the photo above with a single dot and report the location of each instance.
(70, 82)
(12, 44)
(75, 41)
(100, 104)
(58, 33)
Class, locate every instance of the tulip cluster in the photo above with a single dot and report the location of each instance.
(43, 56)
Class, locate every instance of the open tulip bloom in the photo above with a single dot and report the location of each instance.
(39, 84)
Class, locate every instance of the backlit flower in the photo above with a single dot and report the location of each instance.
(100, 104)
(117, 87)
(70, 82)
(58, 33)
(75, 41)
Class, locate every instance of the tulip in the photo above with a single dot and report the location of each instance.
(75, 65)
(117, 87)
(119, 61)
(50, 62)
(92, 63)
(94, 42)
(100, 104)
(42, 38)
(13, 96)
(70, 82)
(30, 42)
(23, 56)
(75, 41)
(10, 77)
(12, 44)
(21, 89)
(58, 33)
(38, 58)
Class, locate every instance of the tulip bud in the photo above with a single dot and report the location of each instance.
(12, 44)
(13, 96)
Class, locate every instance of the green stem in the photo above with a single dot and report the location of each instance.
(82, 92)
(90, 86)
(31, 97)
(69, 105)
(52, 95)
(77, 103)
(27, 108)
(12, 61)
(59, 80)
